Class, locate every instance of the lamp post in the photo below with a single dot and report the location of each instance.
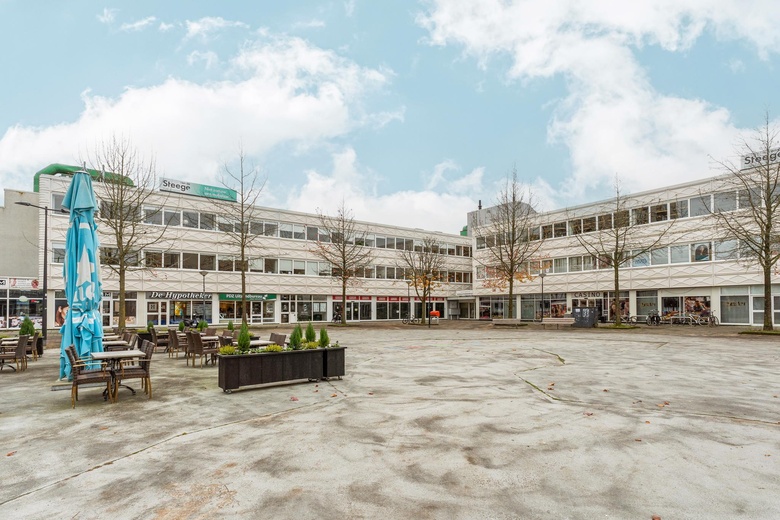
(542, 275)
(203, 274)
(429, 276)
(46, 210)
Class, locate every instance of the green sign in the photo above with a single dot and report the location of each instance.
(249, 297)
(198, 190)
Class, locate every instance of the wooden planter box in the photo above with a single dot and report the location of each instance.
(273, 367)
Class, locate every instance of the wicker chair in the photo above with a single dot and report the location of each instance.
(173, 342)
(82, 376)
(32, 346)
(189, 349)
(138, 368)
(210, 331)
(279, 339)
(203, 351)
(18, 355)
(158, 341)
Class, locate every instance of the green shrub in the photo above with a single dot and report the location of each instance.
(228, 350)
(149, 326)
(296, 337)
(27, 328)
(310, 345)
(202, 325)
(181, 326)
(324, 339)
(243, 338)
(231, 327)
(273, 348)
(311, 335)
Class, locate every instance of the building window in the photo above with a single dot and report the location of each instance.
(559, 228)
(172, 218)
(680, 254)
(271, 265)
(700, 206)
(700, 252)
(588, 263)
(208, 262)
(299, 267)
(734, 309)
(153, 216)
(725, 201)
(207, 221)
(285, 267)
(189, 219)
(641, 259)
(299, 232)
(189, 261)
(659, 213)
(285, 230)
(560, 265)
(547, 232)
(56, 201)
(225, 263)
(678, 209)
(270, 229)
(224, 224)
(58, 253)
(659, 256)
(589, 225)
(153, 259)
(726, 250)
(575, 227)
(171, 260)
(639, 215)
(605, 221)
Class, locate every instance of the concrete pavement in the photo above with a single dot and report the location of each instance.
(458, 421)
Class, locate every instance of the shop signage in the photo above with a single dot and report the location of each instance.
(249, 297)
(753, 160)
(23, 283)
(3, 283)
(590, 294)
(337, 298)
(198, 190)
(170, 295)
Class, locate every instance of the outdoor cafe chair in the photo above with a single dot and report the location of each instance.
(202, 351)
(137, 369)
(189, 349)
(32, 346)
(173, 342)
(17, 355)
(159, 341)
(82, 375)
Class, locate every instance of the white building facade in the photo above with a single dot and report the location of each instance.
(694, 268)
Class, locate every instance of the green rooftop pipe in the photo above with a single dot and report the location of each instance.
(64, 169)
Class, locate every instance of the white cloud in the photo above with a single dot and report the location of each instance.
(285, 92)
(736, 66)
(613, 119)
(165, 27)
(349, 8)
(309, 24)
(210, 58)
(209, 25)
(138, 25)
(107, 16)
(443, 210)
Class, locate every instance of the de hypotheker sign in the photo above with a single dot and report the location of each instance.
(198, 190)
(754, 160)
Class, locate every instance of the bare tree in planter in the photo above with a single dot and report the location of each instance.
(341, 242)
(423, 267)
(622, 236)
(128, 204)
(508, 247)
(755, 218)
(238, 220)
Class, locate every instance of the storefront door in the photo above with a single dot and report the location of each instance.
(353, 311)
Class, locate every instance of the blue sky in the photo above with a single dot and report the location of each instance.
(410, 111)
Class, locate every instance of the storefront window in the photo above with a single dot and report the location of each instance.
(646, 302)
(734, 309)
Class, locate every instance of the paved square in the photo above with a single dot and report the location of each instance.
(459, 421)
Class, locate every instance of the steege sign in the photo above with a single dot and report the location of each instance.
(197, 190)
(754, 160)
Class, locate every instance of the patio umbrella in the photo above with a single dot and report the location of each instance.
(83, 326)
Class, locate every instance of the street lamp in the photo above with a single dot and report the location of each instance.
(409, 312)
(46, 210)
(429, 276)
(542, 275)
(203, 274)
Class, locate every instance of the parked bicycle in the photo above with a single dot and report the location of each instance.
(336, 318)
(410, 320)
(653, 318)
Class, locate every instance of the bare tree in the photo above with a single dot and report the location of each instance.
(621, 237)
(423, 267)
(127, 203)
(341, 243)
(236, 218)
(508, 248)
(756, 221)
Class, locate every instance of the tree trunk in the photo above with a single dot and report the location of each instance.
(511, 296)
(121, 322)
(343, 301)
(616, 299)
(768, 307)
(244, 314)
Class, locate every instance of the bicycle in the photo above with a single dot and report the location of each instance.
(410, 320)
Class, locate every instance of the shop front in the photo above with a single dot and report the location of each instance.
(303, 307)
(20, 298)
(170, 308)
(356, 308)
(391, 307)
(261, 307)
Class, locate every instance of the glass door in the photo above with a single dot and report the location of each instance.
(353, 311)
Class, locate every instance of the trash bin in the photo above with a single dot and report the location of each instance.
(584, 317)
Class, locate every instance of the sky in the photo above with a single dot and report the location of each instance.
(410, 112)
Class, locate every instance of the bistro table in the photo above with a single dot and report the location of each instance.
(114, 357)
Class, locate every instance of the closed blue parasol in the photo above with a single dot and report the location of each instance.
(83, 327)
